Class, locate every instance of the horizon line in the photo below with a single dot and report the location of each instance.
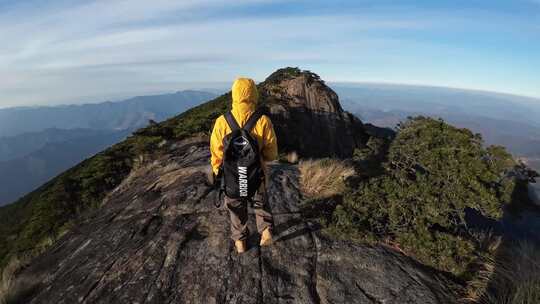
(440, 86)
(404, 84)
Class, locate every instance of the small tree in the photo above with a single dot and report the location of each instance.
(433, 173)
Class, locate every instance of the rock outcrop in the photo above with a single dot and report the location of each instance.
(308, 118)
(158, 238)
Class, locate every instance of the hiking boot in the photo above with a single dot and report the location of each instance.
(241, 246)
(266, 237)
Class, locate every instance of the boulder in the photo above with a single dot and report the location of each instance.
(308, 117)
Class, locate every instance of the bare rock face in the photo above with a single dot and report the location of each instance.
(308, 118)
(158, 238)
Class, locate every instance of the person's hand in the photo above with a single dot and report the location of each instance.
(214, 179)
(211, 177)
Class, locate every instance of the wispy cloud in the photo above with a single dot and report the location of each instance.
(61, 52)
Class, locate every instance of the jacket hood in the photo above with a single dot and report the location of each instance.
(244, 95)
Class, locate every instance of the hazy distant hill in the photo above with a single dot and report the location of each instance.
(21, 175)
(130, 113)
(438, 100)
(13, 147)
(520, 138)
(502, 119)
(73, 133)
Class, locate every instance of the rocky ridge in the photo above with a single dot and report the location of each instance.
(157, 237)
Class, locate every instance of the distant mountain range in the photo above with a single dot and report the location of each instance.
(502, 119)
(521, 139)
(18, 146)
(21, 175)
(131, 113)
(437, 100)
(37, 143)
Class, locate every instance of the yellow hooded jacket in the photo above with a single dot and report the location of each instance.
(244, 102)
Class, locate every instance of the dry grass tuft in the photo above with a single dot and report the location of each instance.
(8, 278)
(511, 277)
(14, 288)
(292, 157)
(323, 177)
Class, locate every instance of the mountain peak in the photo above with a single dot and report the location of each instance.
(308, 117)
(291, 72)
(301, 89)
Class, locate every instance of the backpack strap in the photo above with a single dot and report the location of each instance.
(231, 121)
(253, 119)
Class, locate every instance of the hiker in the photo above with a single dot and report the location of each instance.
(242, 140)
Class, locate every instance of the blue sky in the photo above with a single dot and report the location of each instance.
(56, 52)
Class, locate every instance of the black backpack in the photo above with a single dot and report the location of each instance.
(242, 172)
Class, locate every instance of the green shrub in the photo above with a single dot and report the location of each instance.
(432, 174)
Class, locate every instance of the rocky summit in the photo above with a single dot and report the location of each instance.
(158, 238)
(308, 118)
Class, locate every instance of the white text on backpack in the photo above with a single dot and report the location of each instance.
(243, 182)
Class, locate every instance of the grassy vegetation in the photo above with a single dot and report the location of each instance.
(196, 120)
(34, 222)
(323, 177)
(511, 276)
(15, 289)
(432, 173)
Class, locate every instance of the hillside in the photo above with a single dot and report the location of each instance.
(73, 133)
(136, 223)
(440, 100)
(13, 147)
(23, 174)
(178, 250)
